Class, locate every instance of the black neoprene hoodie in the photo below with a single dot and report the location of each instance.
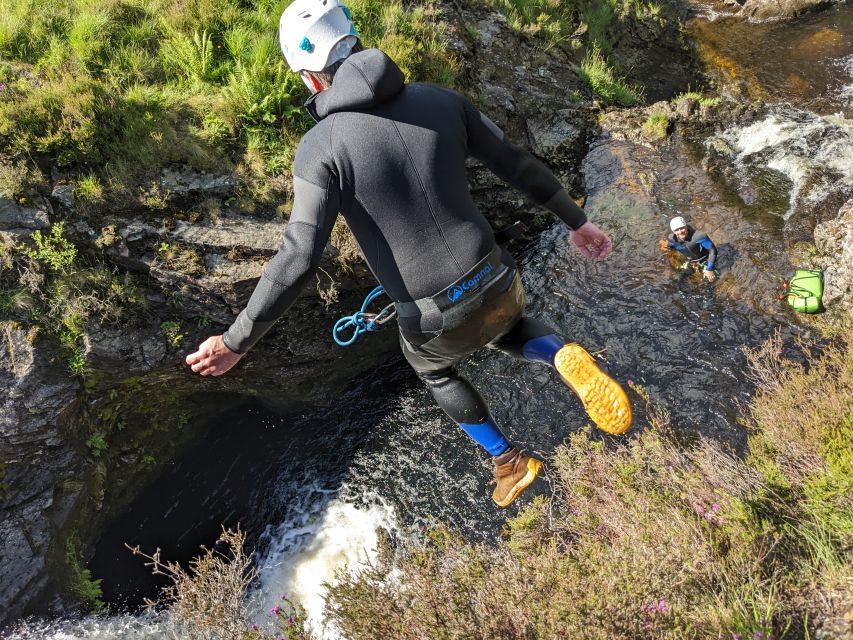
(390, 157)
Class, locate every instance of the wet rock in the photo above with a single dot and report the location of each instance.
(488, 30)
(834, 242)
(124, 351)
(63, 195)
(498, 97)
(229, 232)
(686, 107)
(557, 138)
(18, 217)
(769, 10)
(37, 397)
(760, 10)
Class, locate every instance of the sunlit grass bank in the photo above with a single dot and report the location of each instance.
(115, 90)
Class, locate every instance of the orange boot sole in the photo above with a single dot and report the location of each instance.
(602, 397)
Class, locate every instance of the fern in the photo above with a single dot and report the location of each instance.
(191, 58)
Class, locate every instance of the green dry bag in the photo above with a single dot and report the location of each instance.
(804, 291)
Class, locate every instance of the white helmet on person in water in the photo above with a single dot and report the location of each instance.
(315, 34)
(677, 223)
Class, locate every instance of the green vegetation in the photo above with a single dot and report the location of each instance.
(656, 126)
(584, 22)
(80, 582)
(113, 91)
(703, 100)
(652, 538)
(181, 258)
(54, 251)
(172, 331)
(97, 444)
(599, 75)
(89, 188)
(46, 284)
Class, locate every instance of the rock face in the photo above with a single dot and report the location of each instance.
(765, 10)
(834, 241)
(18, 221)
(36, 461)
(761, 10)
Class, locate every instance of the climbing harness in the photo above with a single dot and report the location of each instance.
(361, 320)
(364, 322)
(804, 290)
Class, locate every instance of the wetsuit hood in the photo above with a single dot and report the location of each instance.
(365, 80)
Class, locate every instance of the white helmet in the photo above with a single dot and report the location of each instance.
(677, 222)
(315, 34)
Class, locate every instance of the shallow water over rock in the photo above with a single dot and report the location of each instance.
(807, 62)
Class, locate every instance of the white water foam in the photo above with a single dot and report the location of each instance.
(796, 143)
(126, 627)
(845, 93)
(302, 558)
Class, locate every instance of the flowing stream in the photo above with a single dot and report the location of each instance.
(313, 485)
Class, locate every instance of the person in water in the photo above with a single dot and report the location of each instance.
(696, 246)
(390, 156)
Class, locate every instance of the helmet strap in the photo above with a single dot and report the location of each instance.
(312, 82)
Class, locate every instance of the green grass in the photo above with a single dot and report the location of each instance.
(703, 100)
(115, 90)
(89, 188)
(656, 126)
(79, 578)
(603, 80)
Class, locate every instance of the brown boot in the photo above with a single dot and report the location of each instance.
(514, 471)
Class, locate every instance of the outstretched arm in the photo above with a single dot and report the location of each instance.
(519, 168)
(314, 211)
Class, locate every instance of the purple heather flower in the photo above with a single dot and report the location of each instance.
(758, 635)
(291, 620)
(715, 507)
(283, 597)
(663, 606)
(254, 627)
(274, 611)
(737, 636)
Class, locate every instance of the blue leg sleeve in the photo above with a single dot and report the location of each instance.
(542, 349)
(488, 435)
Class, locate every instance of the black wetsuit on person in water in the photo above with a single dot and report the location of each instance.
(390, 157)
(697, 247)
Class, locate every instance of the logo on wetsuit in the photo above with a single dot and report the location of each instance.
(458, 290)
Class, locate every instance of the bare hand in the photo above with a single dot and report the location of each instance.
(710, 276)
(591, 241)
(213, 358)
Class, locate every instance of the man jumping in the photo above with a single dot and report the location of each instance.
(390, 157)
